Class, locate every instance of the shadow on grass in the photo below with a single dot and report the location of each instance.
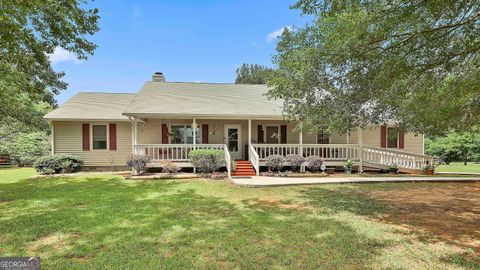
(104, 222)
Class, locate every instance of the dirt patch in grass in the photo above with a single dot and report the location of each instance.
(55, 243)
(276, 204)
(448, 212)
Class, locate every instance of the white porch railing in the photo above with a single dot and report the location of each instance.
(326, 151)
(254, 159)
(173, 152)
(402, 159)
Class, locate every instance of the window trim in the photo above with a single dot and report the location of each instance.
(185, 126)
(278, 132)
(398, 138)
(323, 131)
(107, 134)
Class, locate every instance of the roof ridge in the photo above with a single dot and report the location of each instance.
(231, 83)
(104, 92)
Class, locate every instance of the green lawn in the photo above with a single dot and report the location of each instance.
(459, 167)
(106, 222)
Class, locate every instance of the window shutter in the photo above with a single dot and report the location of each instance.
(260, 133)
(112, 131)
(164, 134)
(86, 137)
(205, 133)
(401, 140)
(383, 136)
(283, 134)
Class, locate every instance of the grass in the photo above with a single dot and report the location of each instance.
(459, 167)
(99, 222)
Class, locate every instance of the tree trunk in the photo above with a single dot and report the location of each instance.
(465, 160)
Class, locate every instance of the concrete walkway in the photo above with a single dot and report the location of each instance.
(266, 181)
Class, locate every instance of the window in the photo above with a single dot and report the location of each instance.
(99, 137)
(180, 134)
(272, 134)
(323, 137)
(392, 137)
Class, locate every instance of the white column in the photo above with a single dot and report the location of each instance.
(135, 134)
(194, 128)
(348, 137)
(360, 149)
(300, 148)
(52, 134)
(249, 132)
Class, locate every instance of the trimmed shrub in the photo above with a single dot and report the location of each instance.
(170, 168)
(295, 161)
(138, 163)
(58, 163)
(274, 162)
(207, 160)
(314, 163)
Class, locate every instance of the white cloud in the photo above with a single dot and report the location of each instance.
(275, 34)
(62, 55)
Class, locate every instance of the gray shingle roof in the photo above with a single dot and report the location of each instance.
(204, 99)
(94, 106)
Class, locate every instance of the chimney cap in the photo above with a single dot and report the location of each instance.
(158, 77)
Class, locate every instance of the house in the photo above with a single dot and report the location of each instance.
(166, 120)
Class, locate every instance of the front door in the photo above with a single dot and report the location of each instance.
(233, 140)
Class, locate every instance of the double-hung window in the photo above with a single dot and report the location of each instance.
(392, 137)
(99, 137)
(181, 134)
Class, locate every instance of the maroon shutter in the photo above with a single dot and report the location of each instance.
(205, 133)
(383, 136)
(260, 133)
(401, 140)
(283, 134)
(164, 134)
(86, 137)
(113, 136)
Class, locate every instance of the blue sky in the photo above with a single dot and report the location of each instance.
(187, 40)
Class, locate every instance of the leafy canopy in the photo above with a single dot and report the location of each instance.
(455, 146)
(368, 62)
(30, 31)
(252, 74)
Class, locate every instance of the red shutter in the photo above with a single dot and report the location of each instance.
(401, 140)
(205, 133)
(383, 136)
(260, 133)
(86, 137)
(283, 134)
(113, 136)
(164, 134)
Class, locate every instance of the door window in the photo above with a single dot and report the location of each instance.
(232, 139)
(272, 134)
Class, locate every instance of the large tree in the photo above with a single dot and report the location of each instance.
(366, 62)
(29, 32)
(252, 74)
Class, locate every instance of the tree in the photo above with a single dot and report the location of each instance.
(252, 74)
(455, 146)
(30, 31)
(369, 62)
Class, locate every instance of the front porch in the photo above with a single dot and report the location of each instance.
(256, 139)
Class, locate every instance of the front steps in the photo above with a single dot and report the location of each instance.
(244, 168)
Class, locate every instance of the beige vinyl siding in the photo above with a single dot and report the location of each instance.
(413, 143)
(68, 140)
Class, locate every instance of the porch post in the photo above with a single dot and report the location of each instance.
(249, 132)
(194, 128)
(360, 149)
(300, 148)
(135, 136)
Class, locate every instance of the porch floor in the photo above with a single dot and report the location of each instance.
(266, 181)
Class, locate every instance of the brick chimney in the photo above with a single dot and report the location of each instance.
(158, 77)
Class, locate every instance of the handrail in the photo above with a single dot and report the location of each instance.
(253, 157)
(228, 160)
(395, 151)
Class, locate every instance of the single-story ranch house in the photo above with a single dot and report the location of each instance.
(166, 120)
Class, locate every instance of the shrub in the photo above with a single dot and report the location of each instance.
(58, 163)
(170, 168)
(138, 163)
(25, 148)
(274, 162)
(314, 163)
(295, 161)
(207, 160)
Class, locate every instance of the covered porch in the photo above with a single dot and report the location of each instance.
(256, 139)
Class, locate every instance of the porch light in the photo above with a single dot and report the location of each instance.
(194, 125)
